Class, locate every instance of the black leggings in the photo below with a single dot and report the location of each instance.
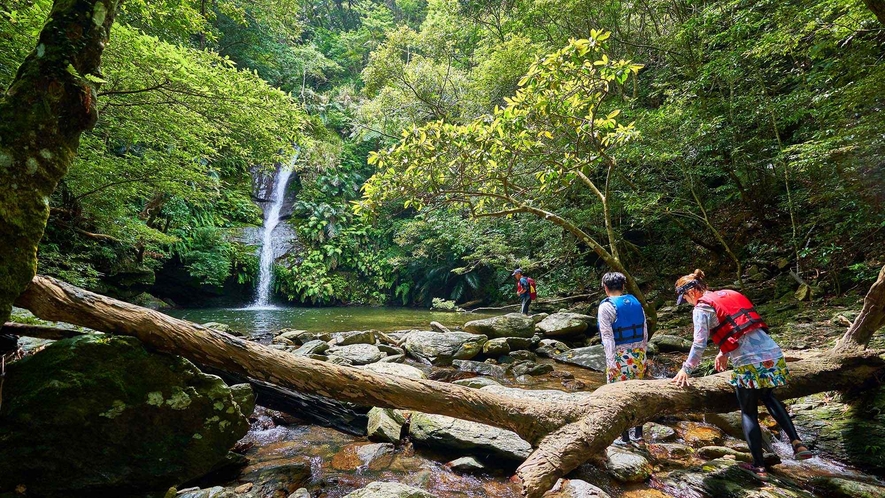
(749, 401)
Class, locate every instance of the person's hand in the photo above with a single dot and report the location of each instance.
(681, 379)
(721, 362)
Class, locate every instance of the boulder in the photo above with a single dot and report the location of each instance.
(440, 349)
(399, 369)
(439, 327)
(697, 435)
(358, 354)
(389, 490)
(444, 432)
(99, 415)
(670, 343)
(300, 493)
(722, 477)
(626, 466)
(836, 487)
(374, 457)
(565, 324)
(530, 368)
(213, 492)
(480, 368)
(523, 355)
(519, 343)
(496, 347)
(550, 348)
(355, 337)
(221, 327)
(466, 464)
(312, 347)
(509, 325)
(385, 425)
(476, 382)
(658, 432)
(575, 488)
(592, 357)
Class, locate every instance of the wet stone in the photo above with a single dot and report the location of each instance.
(389, 490)
(466, 464)
(658, 432)
(592, 357)
(313, 347)
(476, 382)
(575, 488)
(385, 424)
(697, 435)
(358, 354)
(479, 368)
(399, 369)
(626, 466)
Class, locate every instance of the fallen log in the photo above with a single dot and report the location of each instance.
(565, 435)
(39, 331)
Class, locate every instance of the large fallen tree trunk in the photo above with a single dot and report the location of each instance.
(565, 434)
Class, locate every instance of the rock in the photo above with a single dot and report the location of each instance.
(389, 490)
(592, 357)
(696, 435)
(466, 464)
(358, 354)
(244, 488)
(312, 347)
(670, 343)
(300, 493)
(390, 350)
(658, 432)
(213, 492)
(450, 433)
(439, 327)
(339, 360)
(396, 358)
(565, 324)
(550, 348)
(284, 341)
(399, 369)
(835, 487)
(221, 327)
(440, 349)
(523, 355)
(355, 337)
(148, 301)
(509, 325)
(479, 368)
(280, 476)
(714, 452)
(101, 415)
(496, 347)
(849, 432)
(476, 382)
(530, 368)
(575, 488)
(671, 452)
(375, 456)
(518, 343)
(244, 397)
(385, 425)
(722, 478)
(626, 466)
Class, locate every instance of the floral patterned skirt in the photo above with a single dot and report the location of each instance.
(771, 373)
(630, 365)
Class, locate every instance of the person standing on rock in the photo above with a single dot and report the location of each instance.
(525, 289)
(624, 334)
(732, 322)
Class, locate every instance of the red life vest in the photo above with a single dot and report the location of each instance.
(736, 315)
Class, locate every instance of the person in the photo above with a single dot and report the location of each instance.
(624, 334)
(524, 289)
(730, 320)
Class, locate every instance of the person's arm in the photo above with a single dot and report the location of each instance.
(701, 317)
(604, 319)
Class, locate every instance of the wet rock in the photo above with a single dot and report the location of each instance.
(496, 347)
(440, 349)
(358, 354)
(283, 340)
(385, 425)
(626, 466)
(389, 490)
(849, 432)
(399, 369)
(446, 432)
(376, 456)
(592, 357)
(476, 382)
(313, 347)
(300, 493)
(339, 360)
(565, 324)
(669, 453)
(214, 492)
(658, 432)
(479, 368)
(550, 348)
(509, 325)
(439, 327)
(835, 487)
(645, 493)
(280, 476)
(714, 452)
(523, 355)
(575, 488)
(696, 434)
(518, 343)
(244, 397)
(354, 337)
(99, 415)
(670, 343)
(722, 478)
(466, 464)
(530, 368)
(397, 358)
(221, 327)
(537, 317)
(390, 350)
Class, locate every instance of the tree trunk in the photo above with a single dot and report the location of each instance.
(49, 104)
(871, 318)
(878, 8)
(565, 435)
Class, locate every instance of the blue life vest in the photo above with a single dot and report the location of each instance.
(630, 322)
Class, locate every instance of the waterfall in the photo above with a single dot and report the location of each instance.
(271, 220)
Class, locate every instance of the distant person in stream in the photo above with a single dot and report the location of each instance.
(730, 320)
(624, 336)
(525, 289)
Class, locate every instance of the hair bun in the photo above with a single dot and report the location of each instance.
(698, 274)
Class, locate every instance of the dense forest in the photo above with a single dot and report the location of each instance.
(739, 136)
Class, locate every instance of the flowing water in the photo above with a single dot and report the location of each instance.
(271, 220)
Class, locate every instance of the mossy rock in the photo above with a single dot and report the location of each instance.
(99, 415)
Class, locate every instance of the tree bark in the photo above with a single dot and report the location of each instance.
(870, 319)
(565, 435)
(49, 104)
(878, 8)
(39, 331)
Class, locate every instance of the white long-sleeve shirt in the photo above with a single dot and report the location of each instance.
(605, 317)
(754, 347)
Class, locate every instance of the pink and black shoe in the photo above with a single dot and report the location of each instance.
(759, 472)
